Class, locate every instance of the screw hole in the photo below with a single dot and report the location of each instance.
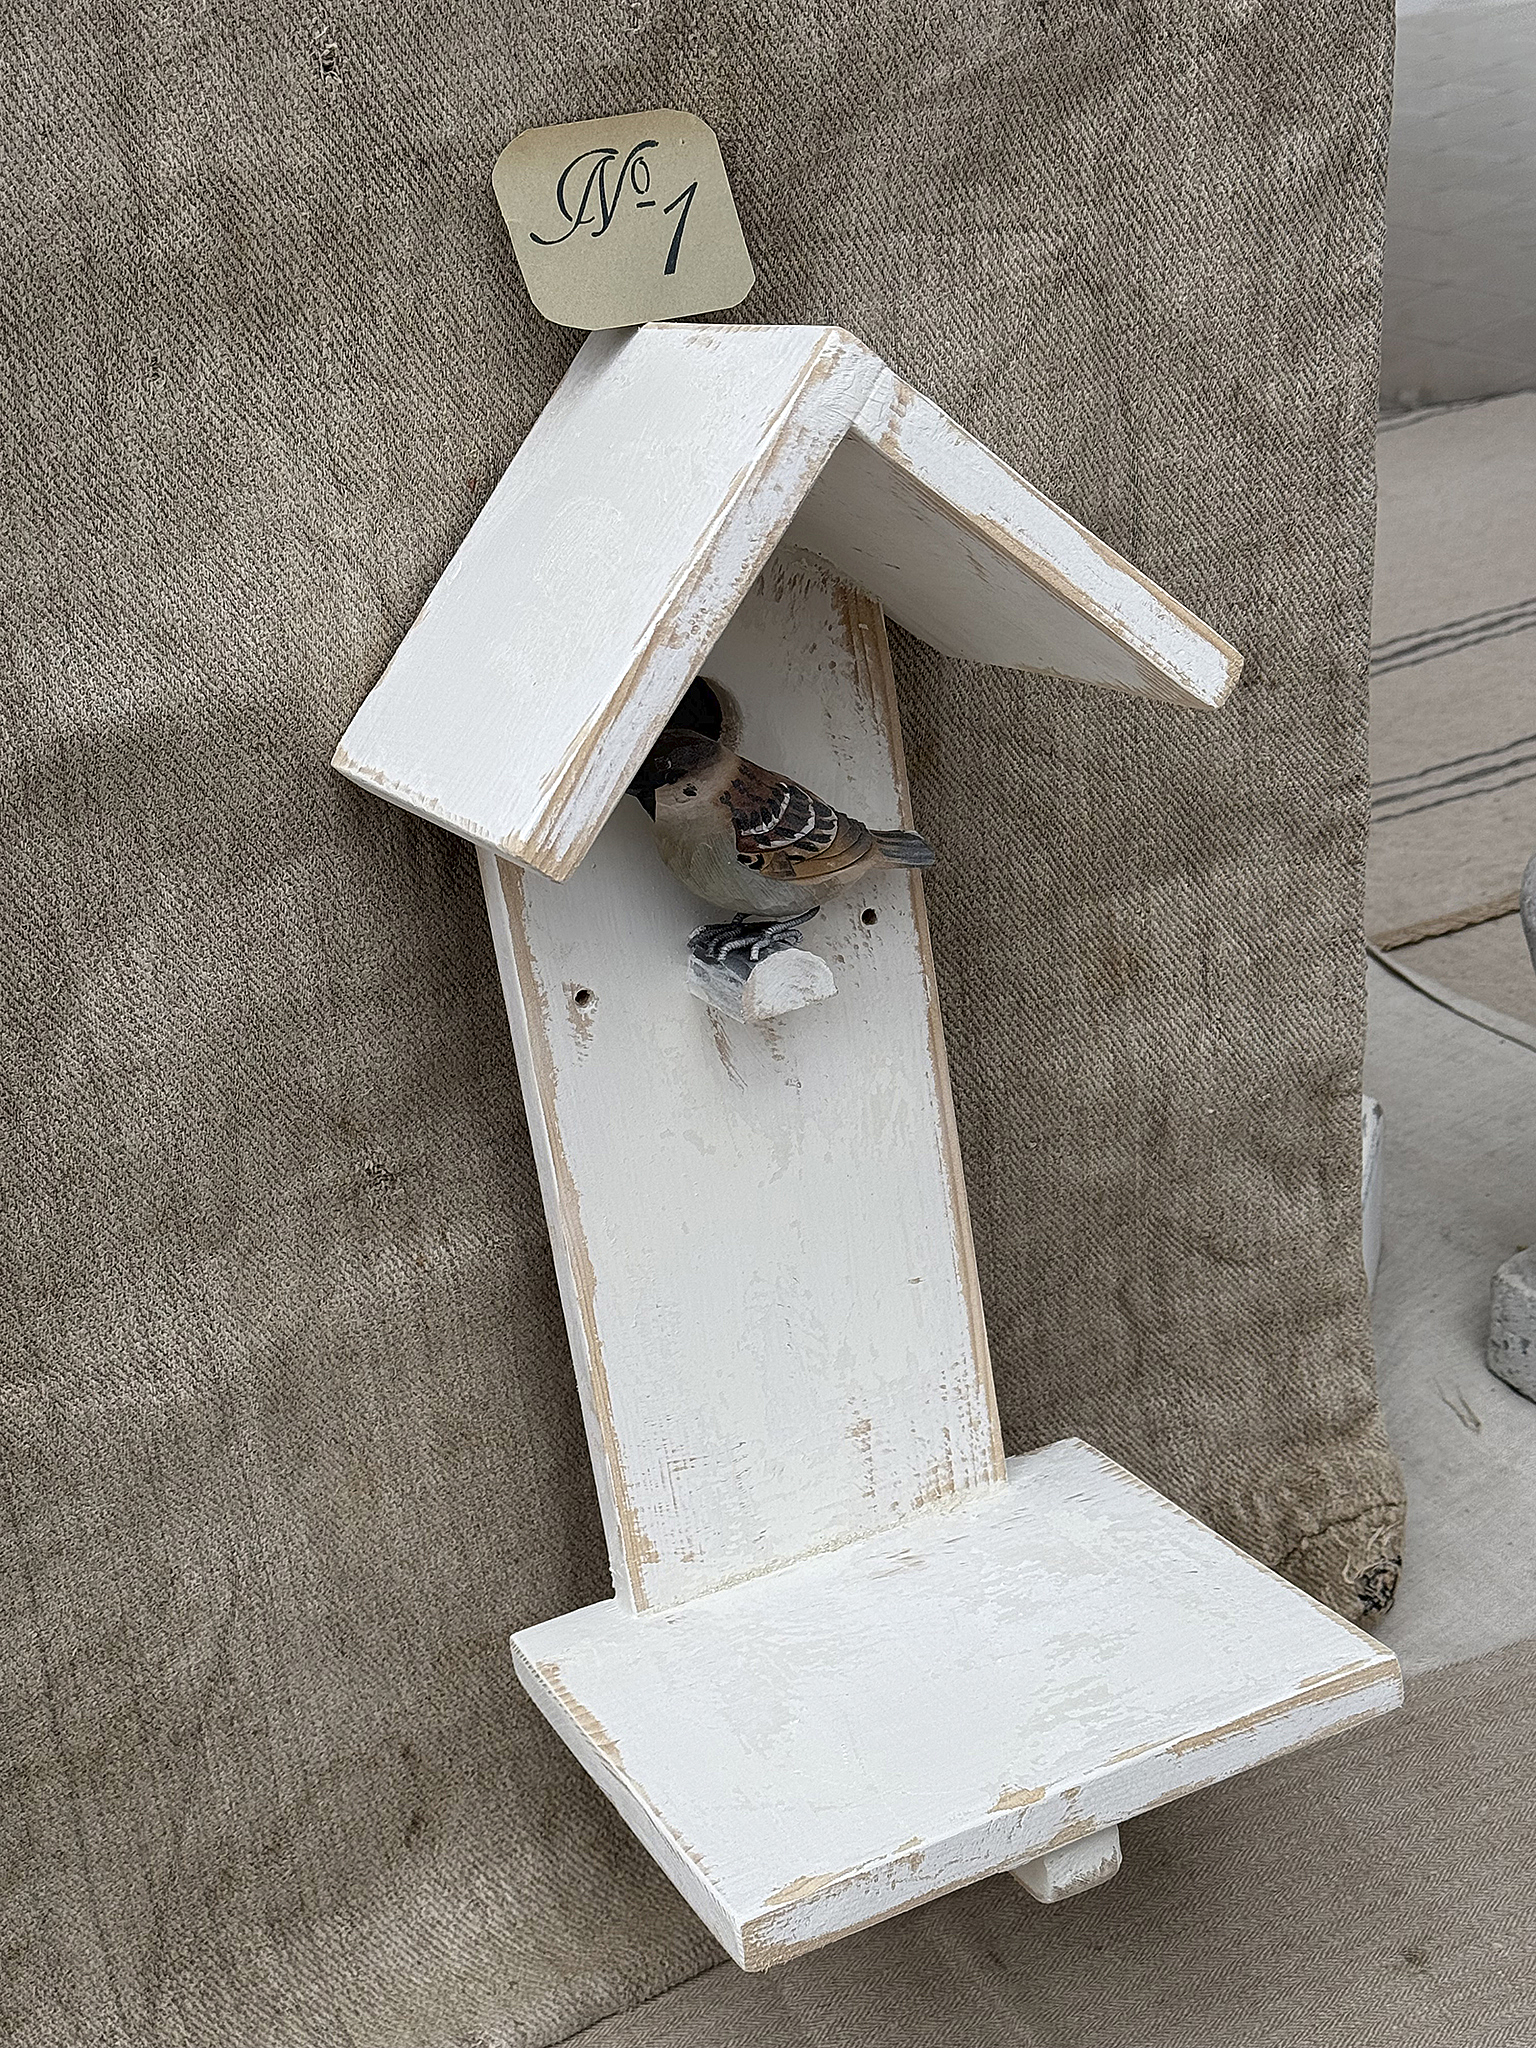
(584, 999)
(870, 916)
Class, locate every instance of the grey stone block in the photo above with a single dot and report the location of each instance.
(1512, 1325)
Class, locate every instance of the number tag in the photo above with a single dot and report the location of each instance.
(618, 221)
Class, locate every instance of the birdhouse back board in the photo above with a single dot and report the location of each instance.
(760, 1228)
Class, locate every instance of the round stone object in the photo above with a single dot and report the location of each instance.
(1512, 1324)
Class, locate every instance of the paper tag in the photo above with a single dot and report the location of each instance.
(623, 220)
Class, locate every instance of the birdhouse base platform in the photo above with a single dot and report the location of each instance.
(995, 1685)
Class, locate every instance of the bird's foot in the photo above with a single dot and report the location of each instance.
(718, 941)
(747, 940)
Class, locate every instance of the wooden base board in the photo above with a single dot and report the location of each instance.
(829, 1744)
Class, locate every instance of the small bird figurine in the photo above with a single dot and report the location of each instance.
(755, 842)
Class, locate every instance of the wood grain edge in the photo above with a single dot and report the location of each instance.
(603, 1762)
(1118, 1793)
(628, 1549)
(864, 618)
(552, 844)
(880, 426)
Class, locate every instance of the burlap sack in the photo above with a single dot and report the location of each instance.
(291, 1436)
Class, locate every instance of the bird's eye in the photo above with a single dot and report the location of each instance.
(689, 790)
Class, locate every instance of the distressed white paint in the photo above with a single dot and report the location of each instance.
(606, 563)
(760, 1226)
(654, 486)
(962, 552)
(813, 1750)
(1079, 1867)
(781, 983)
(849, 1664)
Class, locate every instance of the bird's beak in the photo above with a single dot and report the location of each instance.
(657, 767)
(644, 785)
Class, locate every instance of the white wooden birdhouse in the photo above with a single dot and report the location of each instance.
(855, 1657)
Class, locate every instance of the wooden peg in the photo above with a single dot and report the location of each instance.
(1077, 1867)
(772, 987)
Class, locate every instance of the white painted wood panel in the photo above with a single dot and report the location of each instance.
(655, 484)
(605, 564)
(761, 1226)
(820, 1748)
(849, 1663)
(962, 552)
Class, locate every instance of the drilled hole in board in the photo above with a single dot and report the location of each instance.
(584, 999)
(870, 916)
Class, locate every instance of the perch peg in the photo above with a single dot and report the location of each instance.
(756, 971)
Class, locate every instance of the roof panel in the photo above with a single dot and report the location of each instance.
(601, 571)
(963, 553)
(651, 491)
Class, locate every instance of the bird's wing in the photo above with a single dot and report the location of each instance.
(784, 831)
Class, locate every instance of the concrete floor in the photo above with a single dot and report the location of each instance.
(1459, 278)
(1459, 1198)
(1453, 768)
(1490, 962)
(1453, 696)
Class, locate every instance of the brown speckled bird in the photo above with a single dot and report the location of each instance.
(755, 842)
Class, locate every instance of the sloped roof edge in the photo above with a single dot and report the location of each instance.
(659, 478)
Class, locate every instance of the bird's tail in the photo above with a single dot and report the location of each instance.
(905, 849)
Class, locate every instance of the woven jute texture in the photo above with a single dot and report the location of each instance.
(291, 1440)
(1374, 1893)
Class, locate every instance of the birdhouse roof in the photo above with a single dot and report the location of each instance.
(664, 471)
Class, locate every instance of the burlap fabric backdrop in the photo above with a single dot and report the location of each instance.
(292, 1440)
